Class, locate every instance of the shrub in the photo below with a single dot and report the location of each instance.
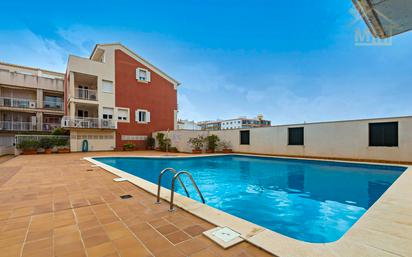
(212, 141)
(129, 146)
(61, 141)
(196, 142)
(28, 145)
(160, 139)
(60, 132)
(150, 142)
(167, 143)
(47, 142)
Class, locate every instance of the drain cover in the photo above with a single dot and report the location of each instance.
(225, 234)
(224, 237)
(126, 196)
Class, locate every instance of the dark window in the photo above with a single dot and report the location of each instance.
(383, 134)
(296, 136)
(245, 137)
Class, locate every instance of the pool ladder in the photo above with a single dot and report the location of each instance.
(176, 176)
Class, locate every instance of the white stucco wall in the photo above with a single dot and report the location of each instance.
(343, 139)
(98, 140)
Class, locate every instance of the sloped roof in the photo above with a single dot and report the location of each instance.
(140, 59)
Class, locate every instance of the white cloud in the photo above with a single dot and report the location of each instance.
(32, 50)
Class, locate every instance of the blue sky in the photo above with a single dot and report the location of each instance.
(292, 61)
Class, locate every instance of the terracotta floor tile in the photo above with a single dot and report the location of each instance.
(158, 244)
(167, 229)
(38, 202)
(126, 242)
(11, 251)
(193, 245)
(101, 250)
(136, 251)
(194, 230)
(158, 222)
(177, 237)
(95, 240)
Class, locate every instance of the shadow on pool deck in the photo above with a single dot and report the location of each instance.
(59, 205)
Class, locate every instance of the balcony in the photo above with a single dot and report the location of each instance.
(50, 126)
(87, 123)
(85, 94)
(17, 126)
(53, 105)
(18, 102)
(30, 81)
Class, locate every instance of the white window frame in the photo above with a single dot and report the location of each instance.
(147, 116)
(103, 113)
(103, 88)
(148, 78)
(123, 109)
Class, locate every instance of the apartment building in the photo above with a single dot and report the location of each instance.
(31, 99)
(237, 123)
(116, 97)
(187, 125)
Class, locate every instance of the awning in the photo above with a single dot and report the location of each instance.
(386, 18)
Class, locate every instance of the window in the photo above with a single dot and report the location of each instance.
(122, 114)
(245, 137)
(142, 116)
(107, 86)
(107, 113)
(296, 136)
(133, 137)
(383, 134)
(142, 75)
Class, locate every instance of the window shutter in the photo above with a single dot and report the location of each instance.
(137, 73)
(147, 116)
(136, 114)
(148, 76)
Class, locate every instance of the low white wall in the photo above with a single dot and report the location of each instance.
(342, 139)
(98, 140)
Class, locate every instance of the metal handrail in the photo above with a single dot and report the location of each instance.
(176, 176)
(160, 180)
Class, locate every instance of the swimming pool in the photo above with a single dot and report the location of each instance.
(312, 201)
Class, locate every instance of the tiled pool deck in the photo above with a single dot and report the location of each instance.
(59, 205)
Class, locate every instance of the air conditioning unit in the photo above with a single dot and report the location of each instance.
(32, 104)
(105, 123)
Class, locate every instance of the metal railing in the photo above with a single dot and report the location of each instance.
(18, 102)
(18, 126)
(50, 126)
(85, 94)
(159, 181)
(79, 122)
(172, 190)
(27, 126)
(53, 105)
(172, 194)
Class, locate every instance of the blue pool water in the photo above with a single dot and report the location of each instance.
(313, 201)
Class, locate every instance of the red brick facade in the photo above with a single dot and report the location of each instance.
(158, 97)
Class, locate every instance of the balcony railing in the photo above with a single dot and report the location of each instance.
(51, 126)
(18, 102)
(27, 126)
(17, 126)
(53, 105)
(85, 94)
(78, 122)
